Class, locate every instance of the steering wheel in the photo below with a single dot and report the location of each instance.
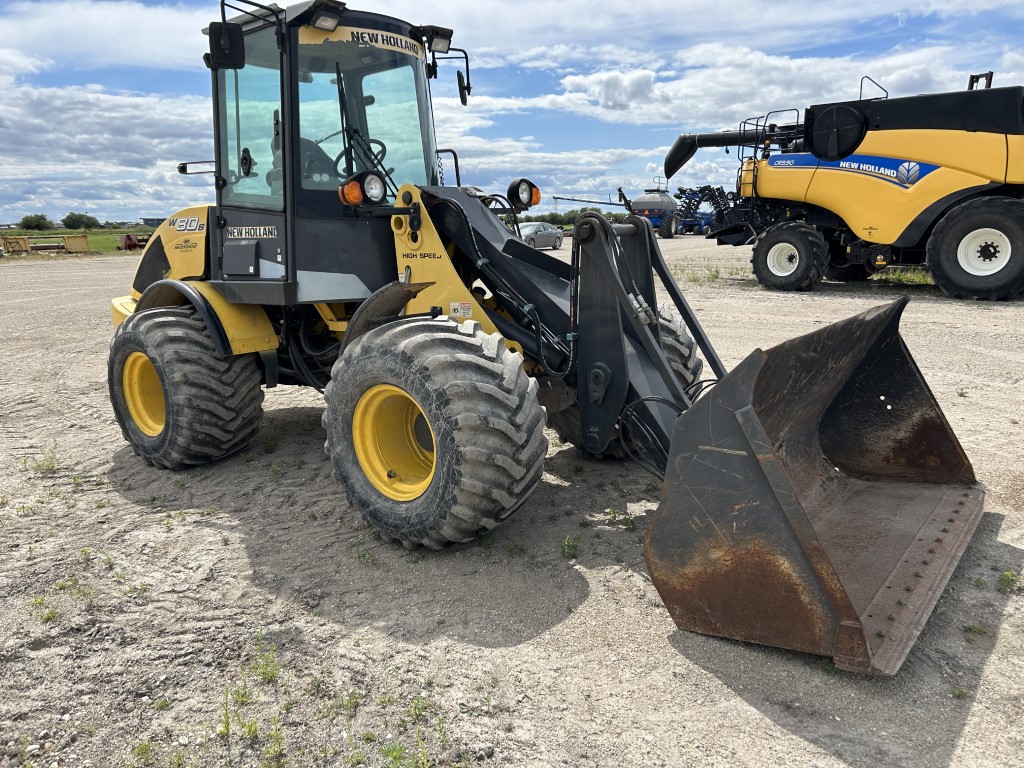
(315, 162)
(377, 158)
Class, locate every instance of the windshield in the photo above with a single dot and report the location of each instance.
(363, 104)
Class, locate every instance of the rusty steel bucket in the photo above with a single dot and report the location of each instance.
(816, 499)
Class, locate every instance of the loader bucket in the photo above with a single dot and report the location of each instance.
(816, 499)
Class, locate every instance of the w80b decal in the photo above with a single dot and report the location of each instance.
(191, 224)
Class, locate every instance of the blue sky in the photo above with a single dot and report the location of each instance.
(101, 98)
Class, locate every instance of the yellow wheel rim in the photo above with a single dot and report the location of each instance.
(143, 394)
(394, 443)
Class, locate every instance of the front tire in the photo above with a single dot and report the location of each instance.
(977, 250)
(434, 430)
(178, 404)
(790, 256)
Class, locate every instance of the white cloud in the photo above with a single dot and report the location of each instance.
(112, 150)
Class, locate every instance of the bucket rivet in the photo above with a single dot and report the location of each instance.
(908, 588)
(945, 530)
(879, 633)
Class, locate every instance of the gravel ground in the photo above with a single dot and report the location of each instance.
(241, 614)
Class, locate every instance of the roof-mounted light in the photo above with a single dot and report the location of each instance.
(439, 39)
(325, 20)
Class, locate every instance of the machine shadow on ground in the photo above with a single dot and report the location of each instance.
(308, 549)
(894, 718)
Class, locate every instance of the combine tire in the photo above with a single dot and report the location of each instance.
(434, 430)
(667, 228)
(789, 257)
(976, 251)
(177, 402)
(681, 353)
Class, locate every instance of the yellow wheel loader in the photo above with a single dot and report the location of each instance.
(848, 188)
(820, 513)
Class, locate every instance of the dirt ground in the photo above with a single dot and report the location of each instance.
(242, 615)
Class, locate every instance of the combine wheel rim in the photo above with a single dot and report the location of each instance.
(783, 259)
(144, 394)
(393, 442)
(984, 252)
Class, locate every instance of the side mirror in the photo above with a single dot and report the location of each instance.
(464, 88)
(227, 46)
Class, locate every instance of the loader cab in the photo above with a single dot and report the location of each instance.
(323, 93)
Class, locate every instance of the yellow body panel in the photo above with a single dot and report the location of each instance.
(184, 239)
(427, 261)
(974, 153)
(789, 185)
(120, 308)
(1015, 159)
(878, 207)
(246, 325)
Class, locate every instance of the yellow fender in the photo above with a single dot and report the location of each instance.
(236, 329)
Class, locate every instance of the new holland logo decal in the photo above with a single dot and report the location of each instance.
(902, 173)
(251, 233)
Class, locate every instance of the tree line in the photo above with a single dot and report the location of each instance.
(40, 222)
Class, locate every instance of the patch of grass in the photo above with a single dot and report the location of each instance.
(569, 548)
(224, 728)
(249, 730)
(515, 550)
(366, 557)
(163, 705)
(49, 616)
(144, 752)
(1009, 581)
(76, 482)
(904, 276)
(974, 629)
(275, 747)
(266, 666)
(979, 582)
(961, 392)
(85, 554)
(960, 693)
(615, 517)
(48, 462)
(242, 695)
(107, 561)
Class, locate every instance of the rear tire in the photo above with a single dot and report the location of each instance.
(790, 256)
(667, 228)
(434, 430)
(557, 244)
(178, 404)
(976, 251)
